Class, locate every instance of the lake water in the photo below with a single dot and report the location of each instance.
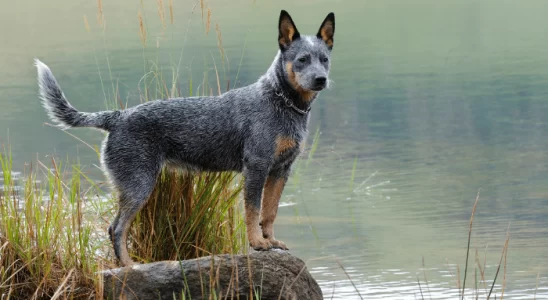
(432, 101)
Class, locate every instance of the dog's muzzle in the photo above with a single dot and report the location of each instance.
(319, 83)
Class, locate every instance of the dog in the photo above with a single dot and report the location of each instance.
(257, 130)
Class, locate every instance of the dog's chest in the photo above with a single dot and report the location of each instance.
(287, 148)
(288, 140)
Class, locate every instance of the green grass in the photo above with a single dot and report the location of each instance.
(189, 216)
(48, 246)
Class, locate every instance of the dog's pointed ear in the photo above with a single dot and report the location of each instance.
(287, 31)
(327, 30)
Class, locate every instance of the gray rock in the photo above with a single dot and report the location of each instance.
(272, 274)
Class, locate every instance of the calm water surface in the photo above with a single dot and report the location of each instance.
(432, 101)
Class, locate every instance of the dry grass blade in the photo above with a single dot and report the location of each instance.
(161, 13)
(220, 42)
(217, 75)
(298, 274)
(505, 264)
(482, 272)
(420, 288)
(100, 15)
(16, 266)
(250, 277)
(425, 279)
(86, 23)
(72, 135)
(504, 250)
(451, 271)
(240, 64)
(208, 21)
(476, 290)
(536, 288)
(54, 173)
(142, 31)
(281, 290)
(348, 276)
(171, 11)
(458, 279)
(468, 247)
(61, 289)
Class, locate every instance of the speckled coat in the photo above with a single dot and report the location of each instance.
(257, 129)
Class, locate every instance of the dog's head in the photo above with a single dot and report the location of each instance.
(306, 59)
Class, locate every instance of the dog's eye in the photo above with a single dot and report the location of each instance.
(324, 59)
(302, 59)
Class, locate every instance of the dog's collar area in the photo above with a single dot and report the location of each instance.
(289, 103)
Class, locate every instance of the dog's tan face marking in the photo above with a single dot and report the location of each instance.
(307, 95)
(283, 144)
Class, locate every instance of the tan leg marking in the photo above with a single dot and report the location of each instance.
(254, 234)
(307, 95)
(271, 198)
(283, 144)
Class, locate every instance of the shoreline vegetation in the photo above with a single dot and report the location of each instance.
(54, 218)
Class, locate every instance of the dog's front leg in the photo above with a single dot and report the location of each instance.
(255, 178)
(273, 189)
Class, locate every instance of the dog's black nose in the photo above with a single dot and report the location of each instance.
(320, 81)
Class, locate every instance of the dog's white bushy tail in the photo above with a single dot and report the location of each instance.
(59, 109)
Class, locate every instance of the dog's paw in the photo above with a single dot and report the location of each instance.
(260, 244)
(278, 244)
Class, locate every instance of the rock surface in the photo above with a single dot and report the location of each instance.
(271, 274)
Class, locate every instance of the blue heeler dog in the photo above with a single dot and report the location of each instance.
(258, 129)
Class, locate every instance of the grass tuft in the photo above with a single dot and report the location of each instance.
(48, 247)
(189, 216)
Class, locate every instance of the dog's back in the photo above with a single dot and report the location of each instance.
(195, 133)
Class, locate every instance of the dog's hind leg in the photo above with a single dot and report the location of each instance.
(135, 183)
(130, 203)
